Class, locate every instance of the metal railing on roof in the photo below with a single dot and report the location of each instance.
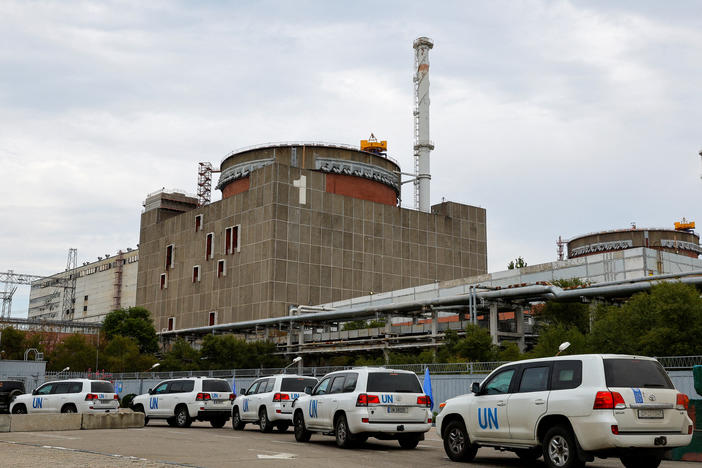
(279, 144)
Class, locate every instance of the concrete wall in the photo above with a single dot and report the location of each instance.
(30, 372)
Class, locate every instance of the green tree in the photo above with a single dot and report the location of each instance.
(75, 351)
(665, 321)
(229, 352)
(181, 356)
(476, 345)
(518, 262)
(122, 354)
(551, 337)
(510, 352)
(565, 314)
(134, 322)
(12, 343)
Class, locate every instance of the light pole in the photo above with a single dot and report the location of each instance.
(63, 370)
(141, 379)
(562, 347)
(294, 361)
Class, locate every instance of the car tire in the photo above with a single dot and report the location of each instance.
(529, 455)
(560, 449)
(140, 409)
(264, 424)
(344, 438)
(457, 444)
(182, 417)
(19, 409)
(70, 408)
(217, 423)
(171, 422)
(301, 432)
(237, 423)
(282, 426)
(646, 461)
(408, 443)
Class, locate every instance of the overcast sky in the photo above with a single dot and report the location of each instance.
(558, 117)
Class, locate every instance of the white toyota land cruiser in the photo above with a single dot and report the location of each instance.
(364, 402)
(570, 409)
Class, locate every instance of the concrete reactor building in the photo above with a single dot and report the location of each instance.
(298, 224)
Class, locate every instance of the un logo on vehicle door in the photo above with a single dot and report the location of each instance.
(313, 409)
(246, 405)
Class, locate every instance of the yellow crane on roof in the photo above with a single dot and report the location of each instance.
(372, 145)
(684, 225)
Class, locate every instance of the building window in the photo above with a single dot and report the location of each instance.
(196, 273)
(231, 240)
(221, 268)
(85, 308)
(164, 281)
(198, 223)
(208, 246)
(170, 256)
(85, 298)
(171, 323)
(213, 318)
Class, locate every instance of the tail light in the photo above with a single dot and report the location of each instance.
(365, 400)
(203, 397)
(615, 429)
(91, 397)
(281, 397)
(609, 400)
(116, 397)
(682, 401)
(424, 400)
(232, 397)
(689, 429)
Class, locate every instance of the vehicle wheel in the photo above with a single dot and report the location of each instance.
(529, 455)
(634, 461)
(282, 426)
(69, 409)
(344, 438)
(457, 443)
(140, 409)
(237, 423)
(219, 422)
(560, 450)
(182, 417)
(146, 420)
(19, 409)
(263, 422)
(301, 432)
(408, 443)
(14, 394)
(171, 422)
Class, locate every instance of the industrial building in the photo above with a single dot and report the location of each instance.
(101, 286)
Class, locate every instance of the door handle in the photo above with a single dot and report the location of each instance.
(539, 402)
(501, 403)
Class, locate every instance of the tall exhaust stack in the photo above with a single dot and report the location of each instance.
(422, 144)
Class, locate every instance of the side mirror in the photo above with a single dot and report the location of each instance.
(34, 392)
(475, 388)
(308, 390)
(151, 391)
(242, 391)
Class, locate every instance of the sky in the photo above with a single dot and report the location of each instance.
(558, 117)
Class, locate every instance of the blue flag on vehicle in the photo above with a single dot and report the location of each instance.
(427, 387)
(234, 385)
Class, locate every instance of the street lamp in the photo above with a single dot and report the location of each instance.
(153, 367)
(562, 347)
(63, 370)
(294, 361)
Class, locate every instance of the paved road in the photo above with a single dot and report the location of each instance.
(158, 445)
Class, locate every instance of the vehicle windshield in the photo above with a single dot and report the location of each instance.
(215, 386)
(101, 387)
(636, 373)
(391, 382)
(296, 384)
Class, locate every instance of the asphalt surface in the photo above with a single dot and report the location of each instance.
(158, 445)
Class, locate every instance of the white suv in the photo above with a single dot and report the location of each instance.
(365, 402)
(68, 396)
(268, 402)
(570, 409)
(179, 401)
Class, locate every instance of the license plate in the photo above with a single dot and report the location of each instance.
(220, 402)
(397, 409)
(650, 414)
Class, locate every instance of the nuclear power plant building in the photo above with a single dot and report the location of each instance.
(298, 224)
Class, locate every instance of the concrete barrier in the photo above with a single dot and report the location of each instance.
(5, 422)
(45, 422)
(121, 420)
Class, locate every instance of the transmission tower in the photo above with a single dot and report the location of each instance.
(69, 294)
(204, 182)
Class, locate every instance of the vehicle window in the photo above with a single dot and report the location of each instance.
(176, 386)
(253, 387)
(499, 383)
(45, 389)
(393, 382)
(534, 379)
(75, 387)
(187, 385)
(635, 373)
(61, 387)
(566, 374)
(322, 387)
(350, 384)
(161, 388)
(337, 385)
(296, 384)
(271, 383)
(101, 387)
(215, 386)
